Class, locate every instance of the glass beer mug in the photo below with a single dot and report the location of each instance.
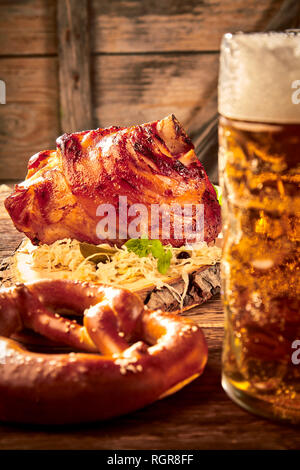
(259, 155)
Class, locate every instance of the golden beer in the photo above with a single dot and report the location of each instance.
(259, 160)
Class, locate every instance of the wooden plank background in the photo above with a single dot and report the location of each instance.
(148, 59)
(74, 65)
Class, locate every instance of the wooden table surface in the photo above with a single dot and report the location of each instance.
(200, 416)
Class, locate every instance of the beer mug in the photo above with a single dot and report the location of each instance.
(259, 154)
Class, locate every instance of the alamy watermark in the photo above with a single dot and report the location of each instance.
(296, 354)
(157, 221)
(296, 93)
(2, 92)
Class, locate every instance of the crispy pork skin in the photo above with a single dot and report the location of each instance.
(150, 164)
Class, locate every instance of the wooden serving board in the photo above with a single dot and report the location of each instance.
(204, 282)
(200, 416)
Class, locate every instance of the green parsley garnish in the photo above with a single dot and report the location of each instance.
(143, 247)
(218, 193)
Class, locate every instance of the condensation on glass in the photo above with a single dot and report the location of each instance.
(259, 154)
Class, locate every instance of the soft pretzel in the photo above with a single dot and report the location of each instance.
(145, 354)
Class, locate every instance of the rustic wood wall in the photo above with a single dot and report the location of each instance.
(148, 58)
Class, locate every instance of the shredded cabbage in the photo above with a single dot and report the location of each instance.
(125, 269)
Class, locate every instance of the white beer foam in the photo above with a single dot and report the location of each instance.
(257, 71)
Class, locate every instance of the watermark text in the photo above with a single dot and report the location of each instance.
(2, 92)
(296, 93)
(296, 354)
(155, 221)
